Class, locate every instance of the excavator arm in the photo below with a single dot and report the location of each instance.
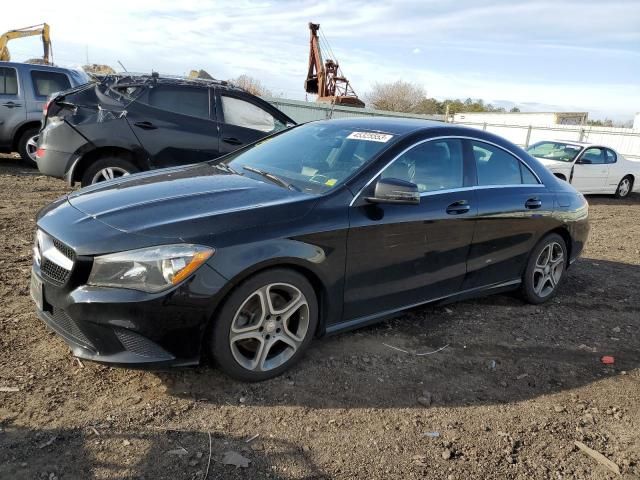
(42, 29)
(324, 78)
(315, 76)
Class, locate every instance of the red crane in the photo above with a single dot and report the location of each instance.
(326, 80)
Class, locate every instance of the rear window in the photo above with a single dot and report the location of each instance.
(8, 81)
(192, 101)
(46, 83)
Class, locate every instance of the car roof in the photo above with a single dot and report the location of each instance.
(394, 125)
(39, 66)
(142, 78)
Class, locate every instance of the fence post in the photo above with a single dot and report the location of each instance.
(484, 126)
(581, 135)
(526, 143)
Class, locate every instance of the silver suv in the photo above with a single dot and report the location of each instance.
(24, 89)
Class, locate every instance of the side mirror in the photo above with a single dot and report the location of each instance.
(583, 161)
(393, 190)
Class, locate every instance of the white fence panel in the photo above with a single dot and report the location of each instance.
(624, 140)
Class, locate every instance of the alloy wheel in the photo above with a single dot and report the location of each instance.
(269, 327)
(109, 173)
(32, 147)
(624, 187)
(548, 269)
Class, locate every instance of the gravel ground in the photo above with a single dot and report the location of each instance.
(515, 388)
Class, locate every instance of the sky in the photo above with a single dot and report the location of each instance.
(539, 55)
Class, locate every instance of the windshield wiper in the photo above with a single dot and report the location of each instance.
(272, 177)
(226, 168)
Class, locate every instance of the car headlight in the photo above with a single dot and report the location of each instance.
(150, 269)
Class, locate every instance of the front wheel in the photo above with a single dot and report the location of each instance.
(624, 187)
(545, 269)
(265, 325)
(107, 168)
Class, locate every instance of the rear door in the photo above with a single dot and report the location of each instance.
(616, 170)
(175, 124)
(590, 171)
(43, 83)
(12, 105)
(514, 208)
(244, 119)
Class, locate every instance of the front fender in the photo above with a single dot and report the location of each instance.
(321, 262)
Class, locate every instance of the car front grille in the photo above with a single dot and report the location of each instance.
(55, 259)
(66, 251)
(54, 272)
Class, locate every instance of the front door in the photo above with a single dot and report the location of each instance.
(12, 104)
(591, 171)
(400, 255)
(175, 125)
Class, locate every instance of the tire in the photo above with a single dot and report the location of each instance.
(27, 148)
(537, 270)
(624, 187)
(286, 334)
(98, 170)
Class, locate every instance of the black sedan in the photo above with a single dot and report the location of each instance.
(325, 227)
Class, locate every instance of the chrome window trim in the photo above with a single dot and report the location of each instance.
(481, 187)
(461, 189)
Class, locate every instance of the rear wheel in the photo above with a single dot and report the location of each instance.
(624, 187)
(107, 168)
(27, 146)
(545, 269)
(265, 325)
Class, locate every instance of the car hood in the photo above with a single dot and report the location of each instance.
(187, 202)
(555, 164)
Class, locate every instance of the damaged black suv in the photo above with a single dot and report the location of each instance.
(126, 124)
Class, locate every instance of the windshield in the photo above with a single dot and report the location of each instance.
(312, 158)
(563, 152)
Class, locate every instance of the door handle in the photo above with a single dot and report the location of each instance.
(11, 105)
(145, 125)
(459, 207)
(533, 203)
(232, 141)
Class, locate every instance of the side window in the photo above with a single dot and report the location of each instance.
(497, 167)
(593, 156)
(192, 101)
(432, 166)
(244, 114)
(611, 156)
(46, 83)
(8, 81)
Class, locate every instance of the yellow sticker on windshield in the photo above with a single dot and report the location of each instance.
(331, 182)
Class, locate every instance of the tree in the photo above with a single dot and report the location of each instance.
(601, 123)
(251, 85)
(514, 110)
(398, 96)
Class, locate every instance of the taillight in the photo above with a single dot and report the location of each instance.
(46, 107)
(40, 152)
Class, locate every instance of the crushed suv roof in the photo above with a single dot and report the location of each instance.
(145, 79)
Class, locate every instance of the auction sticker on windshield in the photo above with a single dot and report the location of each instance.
(370, 136)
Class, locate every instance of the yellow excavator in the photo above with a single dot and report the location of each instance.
(42, 29)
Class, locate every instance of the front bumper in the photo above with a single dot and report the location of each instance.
(127, 327)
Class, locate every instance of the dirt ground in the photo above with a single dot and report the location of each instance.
(516, 386)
